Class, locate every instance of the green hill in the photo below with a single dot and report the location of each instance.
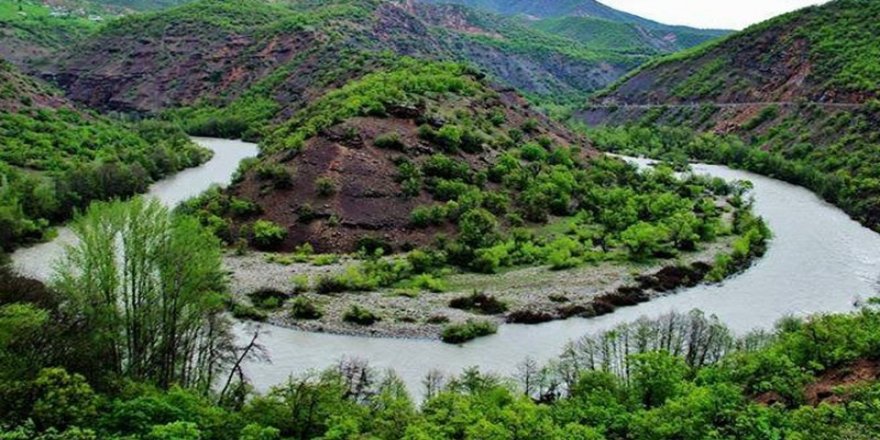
(801, 89)
(624, 36)
(56, 158)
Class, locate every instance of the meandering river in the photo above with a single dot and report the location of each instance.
(819, 261)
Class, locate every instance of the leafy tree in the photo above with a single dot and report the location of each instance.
(644, 239)
(151, 285)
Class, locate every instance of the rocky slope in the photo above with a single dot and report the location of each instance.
(357, 161)
(212, 52)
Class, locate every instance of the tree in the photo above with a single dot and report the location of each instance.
(656, 376)
(643, 240)
(151, 286)
(478, 228)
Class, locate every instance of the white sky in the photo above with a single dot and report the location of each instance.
(724, 14)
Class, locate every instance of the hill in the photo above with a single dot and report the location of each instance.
(626, 36)
(31, 31)
(801, 89)
(587, 21)
(270, 59)
(56, 157)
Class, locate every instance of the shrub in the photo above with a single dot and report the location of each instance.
(644, 240)
(331, 284)
(479, 302)
(243, 208)
(533, 153)
(440, 165)
(267, 234)
(276, 174)
(302, 308)
(424, 216)
(446, 190)
(325, 260)
(300, 283)
(359, 315)
(460, 333)
(478, 228)
(325, 186)
(428, 282)
(390, 141)
(449, 137)
(268, 298)
(247, 313)
(371, 244)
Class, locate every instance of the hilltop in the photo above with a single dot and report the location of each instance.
(801, 89)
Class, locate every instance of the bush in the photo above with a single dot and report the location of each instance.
(267, 234)
(479, 302)
(424, 216)
(302, 308)
(245, 312)
(243, 208)
(359, 315)
(460, 333)
(390, 141)
(276, 174)
(428, 282)
(268, 299)
(325, 186)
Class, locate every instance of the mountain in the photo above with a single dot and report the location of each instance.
(262, 61)
(57, 157)
(626, 36)
(589, 20)
(802, 87)
(553, 9)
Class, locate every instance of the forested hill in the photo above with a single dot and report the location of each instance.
(823, 54)
(589, 22)
(56, 157)
(801, 89)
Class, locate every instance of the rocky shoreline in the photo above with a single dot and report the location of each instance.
(530, 295)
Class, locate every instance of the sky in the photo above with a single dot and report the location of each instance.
(722, 14)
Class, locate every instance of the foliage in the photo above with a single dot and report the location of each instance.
(164, 291)
(460, 333)
(268, 235)
(360, 316)
(302, 308)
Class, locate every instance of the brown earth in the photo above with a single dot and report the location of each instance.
(368, 201)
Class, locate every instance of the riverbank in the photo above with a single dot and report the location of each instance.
(529, 295)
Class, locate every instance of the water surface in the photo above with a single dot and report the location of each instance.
(819, 261)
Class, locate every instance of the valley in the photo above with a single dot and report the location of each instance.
(459, 219)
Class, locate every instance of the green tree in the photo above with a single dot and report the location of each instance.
(643, 240)
(478, 228)
(655, 377)
(151, 286)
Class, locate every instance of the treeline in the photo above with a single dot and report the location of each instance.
(54, 162)
(829, 176)
(680, 376)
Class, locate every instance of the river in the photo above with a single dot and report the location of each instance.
(818, 261)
